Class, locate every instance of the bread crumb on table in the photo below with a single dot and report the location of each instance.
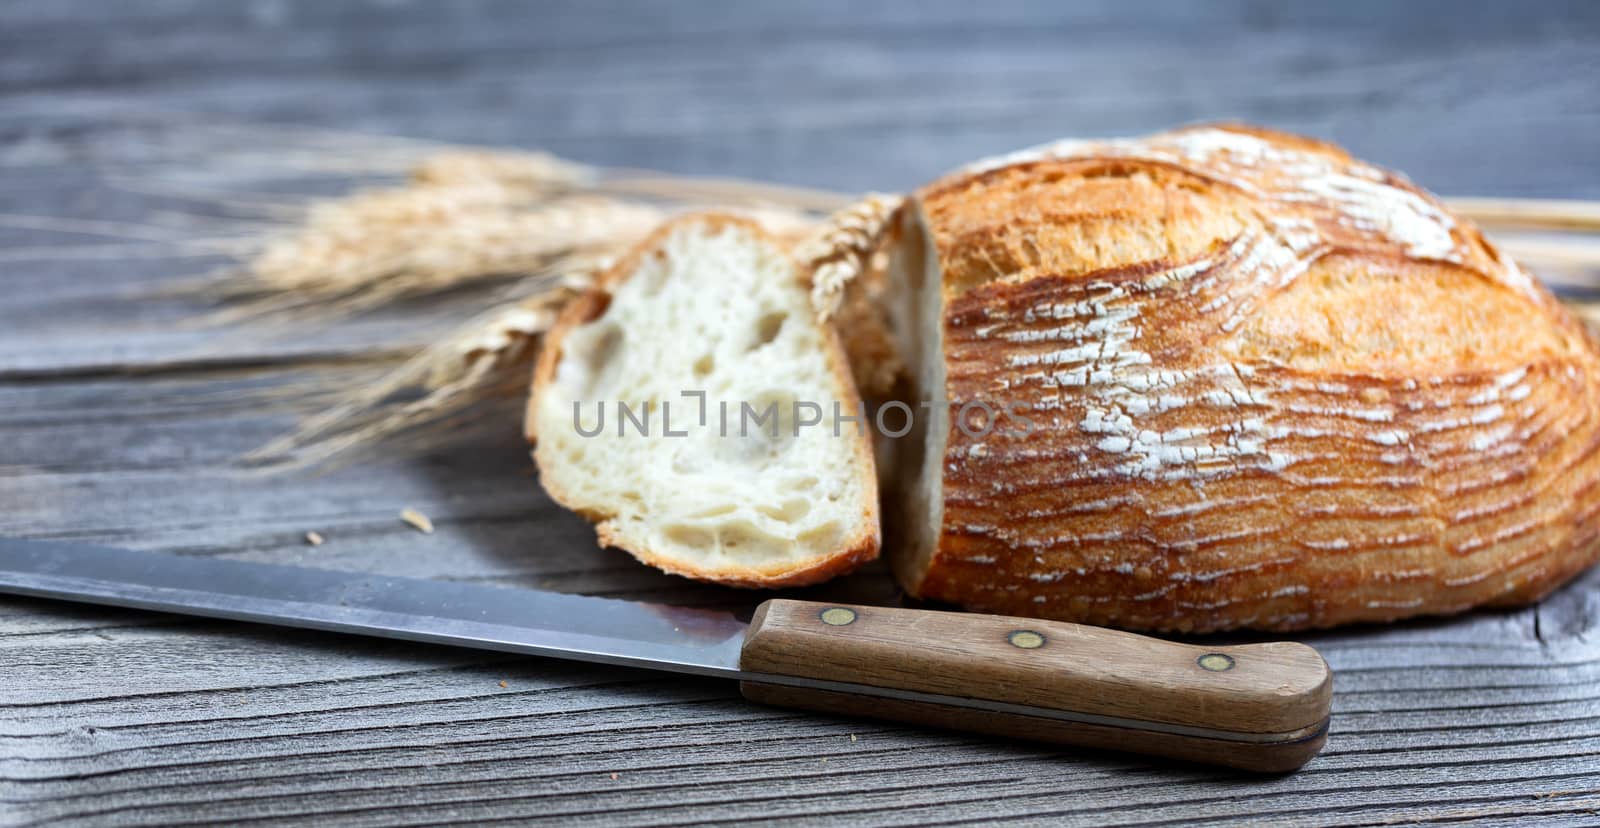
(417, 520)
(314, 539)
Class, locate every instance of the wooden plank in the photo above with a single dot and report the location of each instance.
(856, 107)
(546, 744)
(837, 95)
(121, 422)
(133, 716)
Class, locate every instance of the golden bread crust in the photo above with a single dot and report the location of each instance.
(1274, 388)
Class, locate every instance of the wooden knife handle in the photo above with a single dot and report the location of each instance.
(1260, 707)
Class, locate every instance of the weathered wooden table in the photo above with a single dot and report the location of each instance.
(130, 132)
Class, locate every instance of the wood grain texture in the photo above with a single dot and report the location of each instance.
(120, 424)
(1264, 705)
(1270, 757)
(1273, 687)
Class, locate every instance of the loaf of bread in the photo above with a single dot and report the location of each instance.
(640, 419)
(1261, 385)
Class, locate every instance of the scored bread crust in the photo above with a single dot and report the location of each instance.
(853, 550)
(1274, 388)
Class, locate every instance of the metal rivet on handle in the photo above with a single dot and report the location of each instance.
(1026, 639)
(838, 616)
(1215, 662)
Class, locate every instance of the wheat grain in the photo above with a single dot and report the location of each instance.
(845, 262)
(838, 253)
(417, 520)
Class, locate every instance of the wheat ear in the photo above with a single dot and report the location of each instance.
(843, 248)
(845, 259)
(491, 356)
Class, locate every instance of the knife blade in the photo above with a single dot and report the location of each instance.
(1255, 706)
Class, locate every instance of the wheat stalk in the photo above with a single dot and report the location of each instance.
(529, 172)
(1572, 251)
(1538, 214)
(490, 356)
(718, 192)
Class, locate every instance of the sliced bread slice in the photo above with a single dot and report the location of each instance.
(694, 408)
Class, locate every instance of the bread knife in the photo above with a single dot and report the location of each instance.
(1258, 707)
